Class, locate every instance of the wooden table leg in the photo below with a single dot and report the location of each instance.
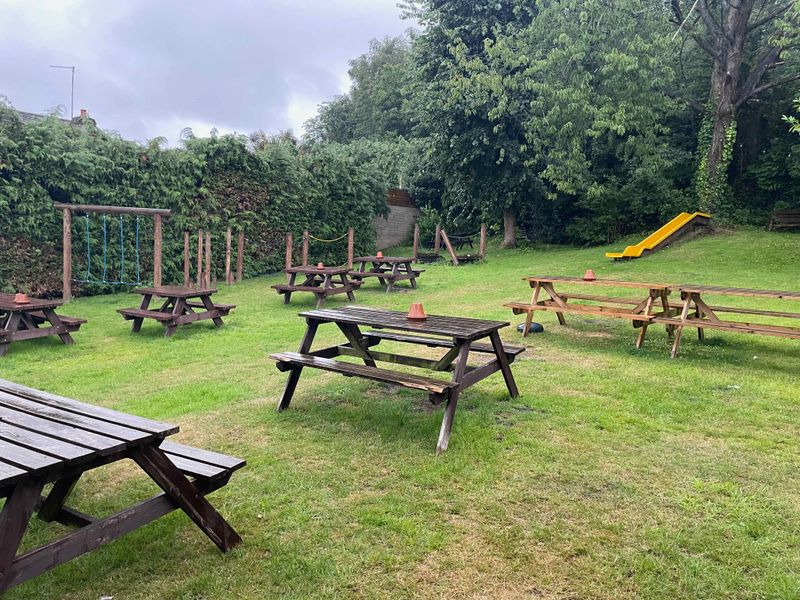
(548, 287)
(55, 321)
(687, 300)
(393, 277)
(144, 305)
(505, 368)
(14, 520)
(209, 305)
(169, 478)
(356, 339)
(452, 401)
(346, 282)
(54, 503)
(296, 370)
(648, 310)
(412, 279)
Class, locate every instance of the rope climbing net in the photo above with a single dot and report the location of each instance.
(107, 276)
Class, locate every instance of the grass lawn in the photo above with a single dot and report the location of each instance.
(616, 474)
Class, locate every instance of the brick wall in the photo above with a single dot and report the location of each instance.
(398, 226)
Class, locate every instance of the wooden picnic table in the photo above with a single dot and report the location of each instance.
(696, 312)
(46, 438)
(34, 319)
(320, 282)
(640, 311)
(387, 269)
(180, 307)
(457, 336)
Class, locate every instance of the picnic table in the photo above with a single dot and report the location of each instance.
(180, 307)
(320, 282)
(457, 336)
(696, 312)
(640, 311)
(46, 438)
(387, 269)
(34, 319)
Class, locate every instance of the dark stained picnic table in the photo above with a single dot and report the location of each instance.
(457, 336)
(387, 269)
(46, 438)
(324, 282)
(181, 306)
(34, 319)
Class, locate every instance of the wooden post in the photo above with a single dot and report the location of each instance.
(351, 238)
(185, 259)
(228, 278)
(289, 243)
(67, 258)
(157, 246)
(482, 246)
(437, 239)
(449, 247)
(305, 248)
(208, 259)
(416, 241)
(199, 258)
(240, 257)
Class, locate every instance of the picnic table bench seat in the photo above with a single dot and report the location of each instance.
(736, 326)
(224, 309)
(599, 311)
(381, 274)
(438, 389)
(511, 351)
(283, 288)
(144, 313)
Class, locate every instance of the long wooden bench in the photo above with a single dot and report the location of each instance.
(435, 387)
(72, 323)
(223, 309)
(511, 351)
(736, 326)
(600, 311)
(785, 219)
(142, 313)
(203, 465)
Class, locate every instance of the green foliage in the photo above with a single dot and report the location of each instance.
(263, 189)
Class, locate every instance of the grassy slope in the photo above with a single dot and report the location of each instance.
(616, 474)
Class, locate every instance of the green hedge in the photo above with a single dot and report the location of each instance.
(264, 187)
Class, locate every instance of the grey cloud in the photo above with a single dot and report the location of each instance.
(147, 68)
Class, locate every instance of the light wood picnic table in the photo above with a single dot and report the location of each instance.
(640, 311)
(457, 336)
(387, 269)
(180, 307)
(46, 438)
(34, 319)
(323, 282)
(695, 311)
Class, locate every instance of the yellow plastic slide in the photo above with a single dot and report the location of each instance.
(655, 239)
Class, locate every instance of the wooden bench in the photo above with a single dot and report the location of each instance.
(784, 219)
(73, 323)
(49, 439)
(511, 351)
(438, 389)
(736, 326)
(223, 309)
(144, 313)
(599, 311)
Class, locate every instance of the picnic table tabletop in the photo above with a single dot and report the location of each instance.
(175, 291)
(456, 327)
(604, 282)
(731, 291)
(311, 270)
(384, 259)
(7, 303)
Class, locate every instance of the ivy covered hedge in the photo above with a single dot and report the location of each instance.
(262, 186)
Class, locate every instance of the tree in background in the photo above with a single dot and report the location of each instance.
(749, 44)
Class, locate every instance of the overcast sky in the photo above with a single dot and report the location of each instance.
(148, 68)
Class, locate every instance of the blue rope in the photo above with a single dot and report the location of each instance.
(105, 247)
(138, 266)
(122, 251)
(88, 250)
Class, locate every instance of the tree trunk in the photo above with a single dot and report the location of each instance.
(509, 229)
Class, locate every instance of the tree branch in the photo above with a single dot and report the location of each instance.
(770, 17)
(691, 103)
(768, 56)
(712, 26)
(767, 86)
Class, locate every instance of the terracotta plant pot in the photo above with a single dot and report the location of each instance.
(416, 312)
(379, 254)
(320, 266)
(589, 275)
(20, 298)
